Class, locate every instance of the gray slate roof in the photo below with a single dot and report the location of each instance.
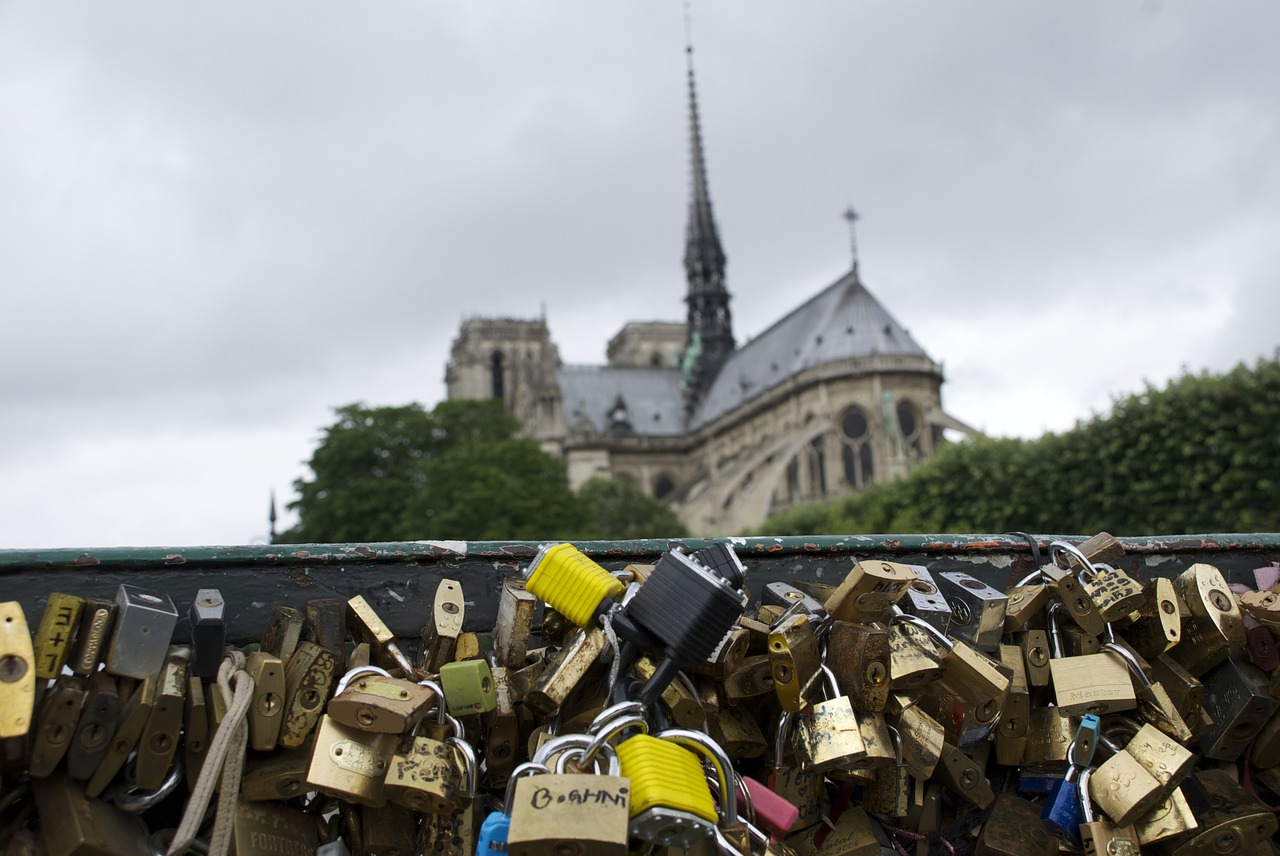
(651, 394)
(843, 321)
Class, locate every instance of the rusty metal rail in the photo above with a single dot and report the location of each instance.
(400, 578)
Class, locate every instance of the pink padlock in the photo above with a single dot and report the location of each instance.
(774, 813)
(1267, 578)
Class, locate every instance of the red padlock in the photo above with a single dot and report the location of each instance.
(1262, 647)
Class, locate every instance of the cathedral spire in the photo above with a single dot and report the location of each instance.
(709, 340)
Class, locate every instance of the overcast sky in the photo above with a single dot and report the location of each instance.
(220, 220)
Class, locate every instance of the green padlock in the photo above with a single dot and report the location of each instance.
(468, 687)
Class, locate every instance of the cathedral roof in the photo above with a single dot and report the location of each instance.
(843, 321)
(650, 396)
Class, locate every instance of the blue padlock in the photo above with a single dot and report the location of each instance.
(496, 827)
(1062, 813)
(1037, 784)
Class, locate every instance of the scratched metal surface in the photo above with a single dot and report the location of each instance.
(400, 578)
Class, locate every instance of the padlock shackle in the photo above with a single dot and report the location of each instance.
(713, 752)
(1056, 649)
(1058, 548)
(1036, 576)
(129, 799)
(610, 730)
(780, 736)
(527, 768)
(900, 617)
(622, 708)
(469, 761)
(1086, 803)
(1131, 662)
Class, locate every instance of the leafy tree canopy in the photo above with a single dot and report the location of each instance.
(619, 510)
(458, 471)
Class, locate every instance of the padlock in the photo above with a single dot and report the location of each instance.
(52, 643)
(890, 792)
(327, 627)
(964, 778)
(737, 731)
(431, 775)
(786, 778)
(90, 644)
(1124, 789)
(308, 678)
(1263, 606)
(96, 727)
(208, 633)
(369, 699)
(439, 636)
(1015, 716)
(671, 804)
(1164, 758)
(731, 832)
(281, 775)
(74, 823)
(911, 667)
(1076, 642)
(452, 834)
(1231, 820)
(468, 687)
(1265, 750)
(56, 724)
(135, 711)
(195, 730)
(266, 711)
(1157, 626)
(1113, 592)
(922, 738)
(925, 601)
(562, 812)
(17, 672)
(1237, 695)
(269, 829)
(1260, 645)
(572, 583)
(1170, 818)
(1025, 604)
(1062, 812)
(772, 812)
(521, 680)
(1102, 837)
(869, 591)
(977, 610)
(1186, 691)
(159, 740)
(141, 632)
(283, 632)
(502, 731)
(1049, 737)
(1213, 627)
(790, 597)
(794, 660)
(846, 830)
(861, 657)
(366, 625)
(389, 830)
(826, 734)
(1095, 683)
(1035, 655)
(754, 677)
(515, 622)
(566, 670)
(728, 655)
(1014, 829)
(496, 827)
(1076, 603)
(350, 764)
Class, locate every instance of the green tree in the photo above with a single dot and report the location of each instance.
(456, 472)
(621, 510)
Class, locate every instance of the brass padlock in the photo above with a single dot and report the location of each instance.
(369, 699)
(958, 772)
(452, 834)
(738, 732)
(1113, 592)
(559, 813)
(267, 709)
(1186, 691)
(727, 657)
(1154, 704)
(847, 831)
(1015, 717)
(270, 829)
(751, 679)
(1026, 603)
(52, 643)
(785, 777)
(327, 627)
(890, 792)
(1170, 818)
(308, 679)
(1103, 837)
(794, 660)
(1237, 695)
(922, 738)
(1231, 820)
(677, 700)
(350, 764)
(91, 637)
(869, 592)
(1157, 624)
(444, 624)
(1048, 738)
(1014, 829)
(502, 732)
(74, 823)
(57, 723)
(1094, 683)
(1035, 655)
(280, 775)
(96, 727)
(1164, 758)
(431, 775)
(826, 734)
(861, 658)
(366, 625)
(159, 740)
(1123, 789)
(134, 714)
(388, 830)
(17, 668)
(911, 667)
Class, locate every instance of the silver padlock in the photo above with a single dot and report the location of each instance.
(140, 637)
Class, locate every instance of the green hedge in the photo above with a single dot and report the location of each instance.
(1200, 455)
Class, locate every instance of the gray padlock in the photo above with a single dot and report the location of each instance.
(140, 638)
(977, 610)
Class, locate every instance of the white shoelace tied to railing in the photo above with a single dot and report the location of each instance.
(225, 758)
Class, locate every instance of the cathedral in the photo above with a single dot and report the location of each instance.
(833, 396)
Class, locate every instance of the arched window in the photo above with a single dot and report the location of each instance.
(663, 485)
(495, 372)
(910, 423)
(855, 440)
